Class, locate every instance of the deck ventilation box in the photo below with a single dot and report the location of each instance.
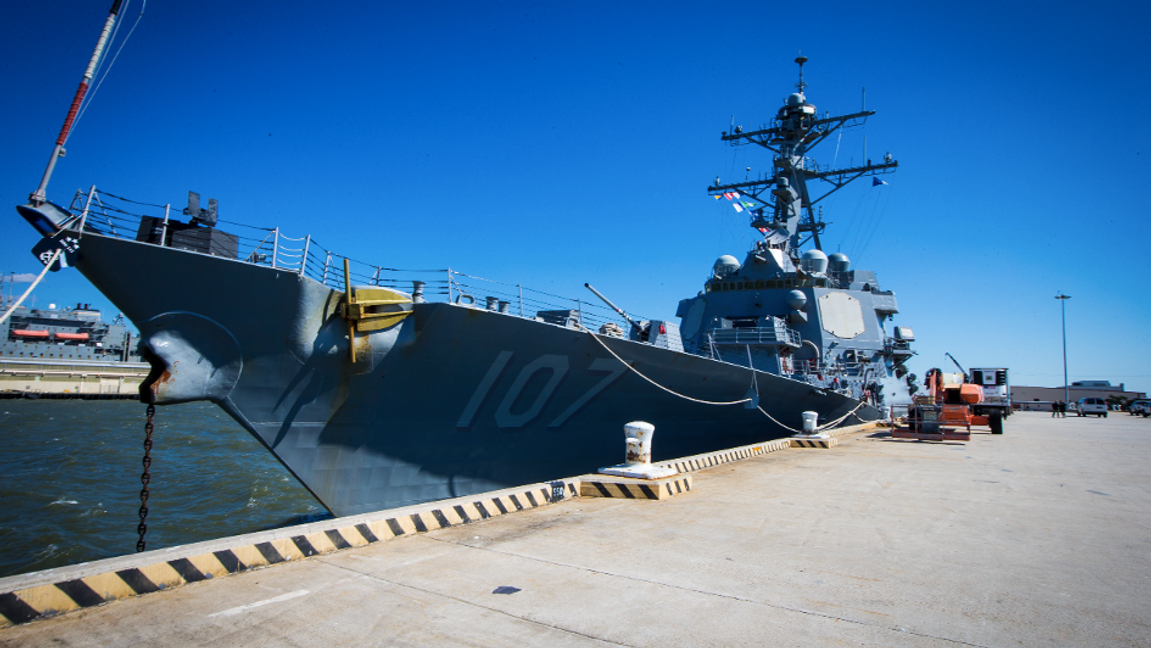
(185, 236)
(568, 318)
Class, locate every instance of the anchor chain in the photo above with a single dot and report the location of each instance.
(145, 478)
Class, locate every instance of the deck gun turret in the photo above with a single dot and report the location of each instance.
(640, 331)
(658, 333)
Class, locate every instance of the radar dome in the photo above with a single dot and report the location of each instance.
(814, 261)
(726, 265)
(796, 299)
(839, 262)
(796, 99)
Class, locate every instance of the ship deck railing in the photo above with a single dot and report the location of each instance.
(111, 215)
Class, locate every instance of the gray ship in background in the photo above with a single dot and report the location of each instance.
(380, 388)
(77, 333)
(66, 352)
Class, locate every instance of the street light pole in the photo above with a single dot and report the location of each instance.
(1063, 307)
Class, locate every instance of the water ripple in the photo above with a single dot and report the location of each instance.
(210, 479)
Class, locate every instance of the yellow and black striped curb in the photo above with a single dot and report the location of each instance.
(710, 459)
(623, 487)
(707, 460)
(27, 597)
(814, 443)
(51, 592)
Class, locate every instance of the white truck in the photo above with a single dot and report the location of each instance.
(996, 390)
(1094, 406)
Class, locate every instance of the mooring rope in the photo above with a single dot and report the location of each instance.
(672, 392)
(825, 426)
(43, 272)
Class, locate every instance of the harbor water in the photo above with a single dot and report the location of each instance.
(70, 481)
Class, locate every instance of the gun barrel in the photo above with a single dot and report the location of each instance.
(612, 306)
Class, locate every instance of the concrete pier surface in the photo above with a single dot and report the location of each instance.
(1039, 537)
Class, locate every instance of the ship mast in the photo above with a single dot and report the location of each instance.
(796, 130)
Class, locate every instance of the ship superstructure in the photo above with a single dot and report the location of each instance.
(805, 315)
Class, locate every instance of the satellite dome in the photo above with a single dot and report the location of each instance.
(726, 265)
(814, 261)
(839, 262)
(796, 299)
(796, 99)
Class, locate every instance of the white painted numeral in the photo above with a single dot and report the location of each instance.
(558, 365)
(484, 387)
(613, 368)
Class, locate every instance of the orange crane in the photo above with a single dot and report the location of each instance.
(951, 402)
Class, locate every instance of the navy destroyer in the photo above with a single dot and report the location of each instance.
(379, 388)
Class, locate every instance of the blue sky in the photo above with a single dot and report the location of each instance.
(555, 144)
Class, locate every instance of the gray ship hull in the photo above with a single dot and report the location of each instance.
(453, 400)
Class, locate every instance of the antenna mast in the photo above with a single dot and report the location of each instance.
(796, 130)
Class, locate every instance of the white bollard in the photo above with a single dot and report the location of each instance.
(638, 435)
(810, 422)
(811, 427)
